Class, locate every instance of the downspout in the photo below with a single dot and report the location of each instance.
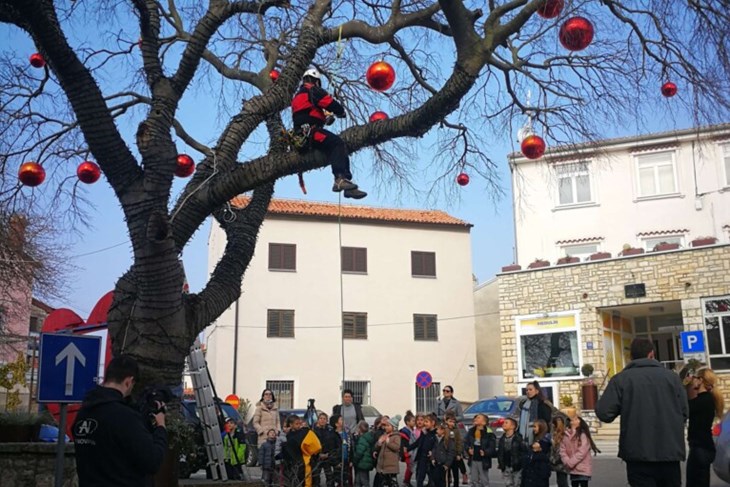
(515, 255)
(235, 346)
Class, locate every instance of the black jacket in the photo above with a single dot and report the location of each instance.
(443, 452)
(517, 452)
(536, 465)
(114, 446)
(337, 408)
(485, 450)
(653, 407)
(544, 411)
(331, 443)
(425, 444)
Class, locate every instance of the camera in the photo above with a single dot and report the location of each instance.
(310, 404)
(151, 397)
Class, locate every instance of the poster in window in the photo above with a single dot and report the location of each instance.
(550, 355)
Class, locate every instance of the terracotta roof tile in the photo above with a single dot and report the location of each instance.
(356, 212)
(579, 240)
(662, 232)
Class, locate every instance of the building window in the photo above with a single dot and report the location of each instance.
(425, 327)
(35, 324)
(282, 257)
(354, 259)
(427, 399)
(656, 174)
(355, 325)
(423, 264)
(280, 323)
(549, 345)
(283, 391)
(650, 243)
(360, 390)
(574, 183)
(726, 163)
(581, 251)
(717, 328)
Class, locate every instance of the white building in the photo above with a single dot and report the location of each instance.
(671, 187)
(406, 291)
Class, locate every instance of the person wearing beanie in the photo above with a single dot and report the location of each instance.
(388, 447)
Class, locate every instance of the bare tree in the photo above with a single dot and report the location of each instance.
(465, 70)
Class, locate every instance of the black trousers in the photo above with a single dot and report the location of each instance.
(422, 470)
(335, 149)
(456, 467)
(698, 466)
(654, 474)
(437, 476)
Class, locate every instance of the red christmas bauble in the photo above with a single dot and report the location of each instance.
(533, 147)
(185, 166)
(378, 116)
(669, 89)
(462, 179)
(550, 8)
(274, 75)
(380, 76)
(31, 174)
(36, 60)
(88, 172)
(576, 33)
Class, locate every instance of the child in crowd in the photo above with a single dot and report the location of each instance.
(301, 445)
(234, 449)
(407, 438)
(424, 444)
(510, 452)
(362, 458)
(575, 452)
(556, 464)
(279, 452)
(343, 462)
(329, 457)
(481, 446)
(457, 465)
(442, 456)
(536, 469)
(388, 448)
(267, 452)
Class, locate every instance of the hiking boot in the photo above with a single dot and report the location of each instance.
(355, 194)
(343, 184)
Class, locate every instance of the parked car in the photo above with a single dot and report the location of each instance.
(496, 408)
(370, 414)
(198, 460)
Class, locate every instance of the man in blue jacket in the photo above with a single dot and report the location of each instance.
(653, 407)
(115, 445)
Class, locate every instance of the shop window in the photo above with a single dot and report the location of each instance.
(549, 346)
(717, 328)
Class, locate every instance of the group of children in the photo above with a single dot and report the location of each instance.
(431, 449)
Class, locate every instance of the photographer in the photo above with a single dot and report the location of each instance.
(114, 443)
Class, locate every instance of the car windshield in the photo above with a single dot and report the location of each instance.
(491, 406)
(369, 411)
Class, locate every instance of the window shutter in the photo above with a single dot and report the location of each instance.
(431, 331)
(347, 259)
(418, 329)
(274, 256)
(289, 260)
(416, 264)
(354, 325)
(272, 323)
(429, 265)
(361, 260)
(287, 324)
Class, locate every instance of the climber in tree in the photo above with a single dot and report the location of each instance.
(308, 110)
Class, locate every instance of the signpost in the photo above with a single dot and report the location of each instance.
(424, 379)
(69, 365)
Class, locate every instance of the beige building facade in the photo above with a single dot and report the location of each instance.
(394, 299)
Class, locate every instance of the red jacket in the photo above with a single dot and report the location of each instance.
(309, 104)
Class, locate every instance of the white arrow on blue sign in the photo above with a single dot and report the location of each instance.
(69, 365)
(692, 341)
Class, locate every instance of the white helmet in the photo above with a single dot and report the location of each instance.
(312, 73)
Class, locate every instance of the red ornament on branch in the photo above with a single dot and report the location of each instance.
(669, 89)
(380, 76)
(533, 147)
(576, 33)
(31, 174)
(378, 116)
(462, 179)
(36, 60)
(185, 166)
(550, 9)
(88, 172)
(274, 75)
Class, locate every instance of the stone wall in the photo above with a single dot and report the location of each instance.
(33, 465)
(686, 275)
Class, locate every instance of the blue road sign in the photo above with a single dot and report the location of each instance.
(693, 341)
(424, 379)
(69, 365)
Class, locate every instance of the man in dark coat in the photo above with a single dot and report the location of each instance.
(350, 411)
(653, 407)
(115, 445)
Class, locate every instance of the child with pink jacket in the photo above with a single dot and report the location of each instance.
(575, 452)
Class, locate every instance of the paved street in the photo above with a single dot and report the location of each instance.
(608, 471)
